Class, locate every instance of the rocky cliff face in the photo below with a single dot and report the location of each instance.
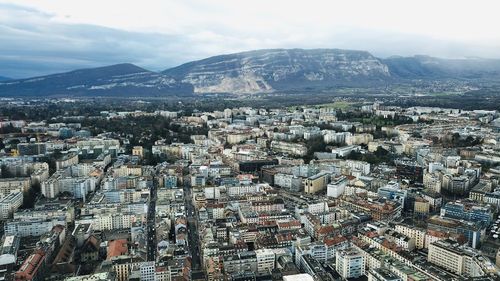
(279, 69)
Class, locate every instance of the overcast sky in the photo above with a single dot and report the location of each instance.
(39, 37)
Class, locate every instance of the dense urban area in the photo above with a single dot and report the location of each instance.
(348, 190)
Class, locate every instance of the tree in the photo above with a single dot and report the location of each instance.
(314, 145)
(30, 197)
(5, 172)
(380, 155)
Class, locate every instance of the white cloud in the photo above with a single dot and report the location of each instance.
(448, 19)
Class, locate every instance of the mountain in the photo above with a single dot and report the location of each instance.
(295, 69)
(280, 69)
(257, 71)
(3, 78)
(120, 79)
(425, 67)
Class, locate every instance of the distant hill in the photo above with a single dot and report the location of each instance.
(259, 71)
(418, 67)
(120, 79)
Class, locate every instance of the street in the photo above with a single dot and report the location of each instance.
(194, 242)
(151, 230)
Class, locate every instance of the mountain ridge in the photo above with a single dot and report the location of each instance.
(256, 71)
(117, 79)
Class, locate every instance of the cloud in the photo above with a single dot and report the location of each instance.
(36, 45)
(47, 36)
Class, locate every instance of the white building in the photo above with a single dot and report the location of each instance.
(350, 263)
(9, 204)
(290, 182)
(332, 137)
(361, 166)
(212, 192)
(298, 277)
(432, 181)
(413, 232)
(32, 227)
(337, 187)
(455, 258)
(357, 139)
(345, 150)
(289, 147)
(265, 260)
(14, 184)
(111, 221)
(244, 189)
(147, 271)
(435, 166)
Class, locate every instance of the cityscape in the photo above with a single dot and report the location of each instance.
(320, 140)
(327, 192)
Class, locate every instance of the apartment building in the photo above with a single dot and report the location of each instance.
(454, 257)
(337, 187)
(413, 232)
(288, 147)
(9, 204)
(265, 260)
(350, 263)
(32, 227)
(8, 185)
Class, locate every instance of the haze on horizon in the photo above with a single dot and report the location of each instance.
(40, 37)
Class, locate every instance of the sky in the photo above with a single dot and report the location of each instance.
(39, 37)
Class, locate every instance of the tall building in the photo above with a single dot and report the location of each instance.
(289, 182)
(350, 263)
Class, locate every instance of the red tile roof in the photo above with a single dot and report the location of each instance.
(117, 248)
(30, 266)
